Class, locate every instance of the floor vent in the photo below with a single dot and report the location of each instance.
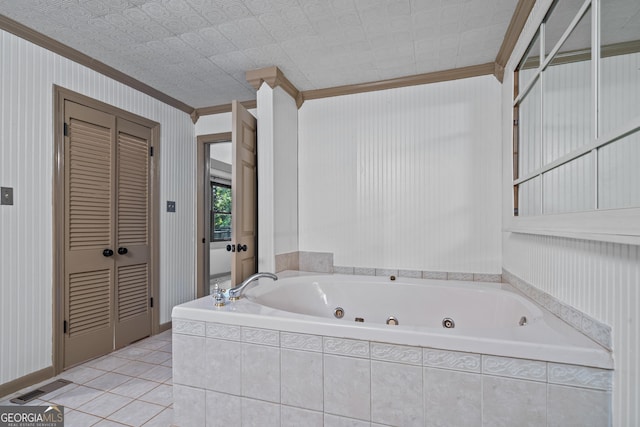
(34, 394)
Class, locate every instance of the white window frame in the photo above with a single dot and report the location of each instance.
(610, 225)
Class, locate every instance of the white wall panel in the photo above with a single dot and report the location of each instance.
(600, 279)
(277, 175)
(404, 178)
(603, 281)
(27, 76)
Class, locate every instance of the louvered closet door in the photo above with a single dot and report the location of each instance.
(133, 312)
(89, 230)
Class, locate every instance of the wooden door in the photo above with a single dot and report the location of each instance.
(132, 257)
(107, 229)
(244, 222)
(89, 233)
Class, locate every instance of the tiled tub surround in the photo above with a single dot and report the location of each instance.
(229, 375)
(247, 364)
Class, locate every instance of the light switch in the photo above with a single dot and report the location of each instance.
(6, 196)
(171, 206)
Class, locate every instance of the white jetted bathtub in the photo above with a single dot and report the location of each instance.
(378, 349)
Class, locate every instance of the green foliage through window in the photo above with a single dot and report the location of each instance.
(220, 215)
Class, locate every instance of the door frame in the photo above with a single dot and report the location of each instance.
(60, 95)
(202, 283)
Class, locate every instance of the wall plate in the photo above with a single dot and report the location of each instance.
(6, 196)
(171, 206)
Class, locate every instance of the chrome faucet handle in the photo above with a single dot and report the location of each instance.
(218, 296)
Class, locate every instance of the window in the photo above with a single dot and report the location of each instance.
(576, 133)
(220, 215)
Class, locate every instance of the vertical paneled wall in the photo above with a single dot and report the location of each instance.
(404, 178)
(27, 76)
(598, 278)
(277, 175)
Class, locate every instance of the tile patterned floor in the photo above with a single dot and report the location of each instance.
(129, 387)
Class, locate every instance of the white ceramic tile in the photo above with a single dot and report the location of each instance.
(413, 274)
(149, 344)
(438, 275)
(581, 376)
(163, 419)
(105, 404)
(157, 373)
(189, 406)
(459, 276)
(494, 278)
(321, 262)
(386, 272)
(364, 271)
(81, 374)
(223, 410)
(301, 379)
(161, 395)
(514, 368)
(511, 402)
(76, 397)
(396, 394)
(347, 347)
(107, 363)
(342, 270)
(134, 368)
(224, 332)
(136, 413)
(79, 419)
(301, 341)
(221, 366)
(189, 352)
(157, 357)
(347, 386)
(296, 417)
(133, 353)
(108, 381)
(452, 398)
(396, 353)
(135, 387)
(457, 360)
(578, 406)
(337, 421)
(167, 347)
(189, 327)
(261, 336)
(256, 413)
(109, 423)
(261, 372)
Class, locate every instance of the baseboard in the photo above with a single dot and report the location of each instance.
(164, 327)
(26, 381)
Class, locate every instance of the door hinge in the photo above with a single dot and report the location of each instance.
(151, 151)
(515, 122)
(65, 129)
(64, 326)
(151, 302)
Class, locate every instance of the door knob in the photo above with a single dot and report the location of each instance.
(122, 251)
(242, 248)
(107, 252)
(231, 248)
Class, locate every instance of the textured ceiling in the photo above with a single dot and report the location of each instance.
(198, 51)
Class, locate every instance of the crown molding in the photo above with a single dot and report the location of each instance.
(518, 20)
(419, 79)
(26, 33)
(218, 109)
(274, 78)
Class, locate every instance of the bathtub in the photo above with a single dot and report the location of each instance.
(281, 352)
(487, 317)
